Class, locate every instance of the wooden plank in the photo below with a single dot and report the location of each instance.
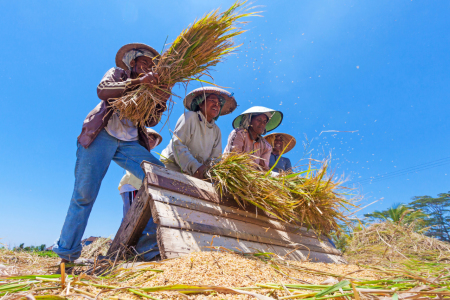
(181, 187)
(160, 177)
(185, 218)
(176, 242)
(133, 224)
(183, 178)
(176, 199)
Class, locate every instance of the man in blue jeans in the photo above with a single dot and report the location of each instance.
(104, 137)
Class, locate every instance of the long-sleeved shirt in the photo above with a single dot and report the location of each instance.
(113, 85)
(239, 141)
(284, 164)
(194, 142)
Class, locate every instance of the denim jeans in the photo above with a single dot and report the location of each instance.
(90, 168)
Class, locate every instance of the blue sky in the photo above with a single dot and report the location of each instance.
(376, 67)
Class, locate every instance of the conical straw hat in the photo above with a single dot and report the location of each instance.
(152, 131)
(275, 117)
(230, 102)
(287, 139)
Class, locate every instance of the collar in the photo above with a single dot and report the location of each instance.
(202, 119)
(258, 138)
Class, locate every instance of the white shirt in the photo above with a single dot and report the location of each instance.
(126, 188)
(122, 130)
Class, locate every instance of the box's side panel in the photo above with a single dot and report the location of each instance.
(199, 221)
(175, 242)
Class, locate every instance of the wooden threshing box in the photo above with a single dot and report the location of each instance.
(189, 213)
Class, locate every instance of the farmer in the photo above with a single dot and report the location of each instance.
(130, 184)
(105, 137)
(280, 141)
(197, 140)
(247, 135)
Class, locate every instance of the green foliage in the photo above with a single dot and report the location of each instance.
(47, 253)
(438, 211)
(341, 240)
(39, 250)
(399, 214)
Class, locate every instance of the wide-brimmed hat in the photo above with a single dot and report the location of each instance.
(288, 140)
(154, 132)
(228, 107)
(275, 117)
(133, 46)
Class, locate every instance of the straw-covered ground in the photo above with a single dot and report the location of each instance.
(222, 274)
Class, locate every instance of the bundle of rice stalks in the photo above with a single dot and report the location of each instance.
(321, 200)
(199, 47)
(310, 197)
(239, 176)
(392, 243)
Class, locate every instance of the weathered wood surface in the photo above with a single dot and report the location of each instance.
(185, 218)
(175, 242)
(133, 224)
(189, 213)
(172, 198)
(160, 177)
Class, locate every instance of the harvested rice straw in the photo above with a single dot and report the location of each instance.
(321, 200)
(238, 175)
(308, 197)
(199, 47)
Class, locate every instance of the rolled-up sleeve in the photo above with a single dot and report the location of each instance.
(265, 154)
(113, 84)
(217, 148)
(181, 137)
(235, 142)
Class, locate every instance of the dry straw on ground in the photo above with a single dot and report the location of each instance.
(389, 243)
(313, 198)
(228, 275)
(99, 247)
(199, 47)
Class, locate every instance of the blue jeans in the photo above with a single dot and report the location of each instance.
(90, 168)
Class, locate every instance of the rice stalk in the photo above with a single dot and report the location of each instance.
(194, 52)
(311, 197)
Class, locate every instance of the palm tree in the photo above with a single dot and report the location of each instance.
(400, 214)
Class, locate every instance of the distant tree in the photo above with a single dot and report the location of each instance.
(400, 214)
(42, 247)
(438, 210)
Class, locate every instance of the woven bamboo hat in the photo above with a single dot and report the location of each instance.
(288, 140)
(228, 107)
(128, 47)
(275, 117)
(154, 132)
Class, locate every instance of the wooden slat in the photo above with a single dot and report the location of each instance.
(176, 199)
(133, 224)
(190, 186)
(181, 188)
(183, 178)
(185, 218)
(176, 242)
